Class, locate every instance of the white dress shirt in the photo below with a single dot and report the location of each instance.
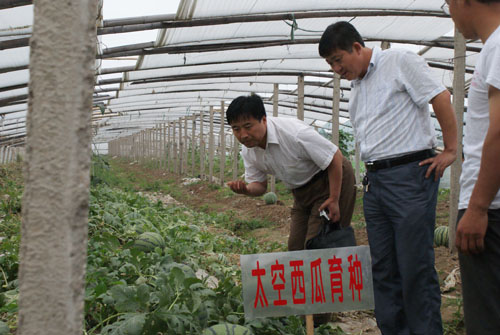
(294, 153)
(389, 107)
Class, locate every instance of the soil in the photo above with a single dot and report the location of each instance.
(203, 196)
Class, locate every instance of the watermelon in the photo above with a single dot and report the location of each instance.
(227, 329)
(148, 241)
(270, 198)
(441, 236)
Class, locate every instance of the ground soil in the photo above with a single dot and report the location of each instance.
(203, 196)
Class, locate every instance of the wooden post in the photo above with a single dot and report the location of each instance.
(309, 325)
(458, 105)
(222, 145)
(300, 98)
(336, 110)
(164, 146)
(211, 146)
(275, 114)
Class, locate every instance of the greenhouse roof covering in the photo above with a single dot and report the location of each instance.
(215, 50)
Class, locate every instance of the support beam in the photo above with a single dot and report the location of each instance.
(336, 110)
(276, 93)
(300, 97)
(53, 250)
(458, 105)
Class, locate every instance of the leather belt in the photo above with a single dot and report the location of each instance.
(395, 161)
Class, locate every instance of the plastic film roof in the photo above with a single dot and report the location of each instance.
(211, 51)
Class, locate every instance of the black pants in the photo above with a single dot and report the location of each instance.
(400, 213)
(481, 281)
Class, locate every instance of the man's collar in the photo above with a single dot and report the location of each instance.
(271, 132)
(374, 59)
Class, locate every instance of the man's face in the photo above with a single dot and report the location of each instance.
(250, 132)
(347, 64)
(460, 13)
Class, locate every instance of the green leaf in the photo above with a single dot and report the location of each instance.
(128, 324)
(4, 328)
(130, 298)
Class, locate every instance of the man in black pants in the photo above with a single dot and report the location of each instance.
(388, 107)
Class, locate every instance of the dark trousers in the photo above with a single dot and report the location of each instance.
(481, 282)
(400, 211)
(306, 222)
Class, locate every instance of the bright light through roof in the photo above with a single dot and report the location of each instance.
(114, 9)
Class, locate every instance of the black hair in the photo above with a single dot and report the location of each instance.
(339, 36)
(488, 1)
(246, 107)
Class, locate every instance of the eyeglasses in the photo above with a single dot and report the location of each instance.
(446, 7)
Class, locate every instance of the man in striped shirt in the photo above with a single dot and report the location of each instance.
(389, 110)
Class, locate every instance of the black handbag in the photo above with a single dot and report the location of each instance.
(332, 235)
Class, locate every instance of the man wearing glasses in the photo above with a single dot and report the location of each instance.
(478, 231)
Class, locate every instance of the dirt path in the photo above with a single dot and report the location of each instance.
(202, 196)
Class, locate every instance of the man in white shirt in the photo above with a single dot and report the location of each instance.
(307, 163)
(388, 107)
(478, 231)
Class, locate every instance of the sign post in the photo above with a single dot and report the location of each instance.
(307, 282)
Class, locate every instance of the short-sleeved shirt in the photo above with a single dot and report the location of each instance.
(477, 122)
(389, 106)
(294, 153)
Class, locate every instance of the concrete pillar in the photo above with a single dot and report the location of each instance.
(336, 110)
(222, 145)
(186, 147)
(236, 148)
(181, 149)
(202, 149)
(458, 105)
(357, 162)
(275, 114)
(53, 250)
(211, 146)
(193, 144)
(300, 98)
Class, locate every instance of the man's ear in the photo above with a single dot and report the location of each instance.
(357, 47)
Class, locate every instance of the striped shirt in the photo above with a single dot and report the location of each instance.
(389, 106)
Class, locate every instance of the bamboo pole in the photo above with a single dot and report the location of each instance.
(181, 148)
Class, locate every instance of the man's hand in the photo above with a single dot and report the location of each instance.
(439, 163)
(333, 209)
(471, 230)
(238, 186)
